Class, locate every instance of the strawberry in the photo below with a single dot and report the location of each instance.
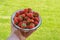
(35, 14)
(29, 10)
(36, 18)
(25, 10)
(32, 25)
(36, 22)
(28, 20)
(26, 14)
(20, 18)
(19, 24)
(23, 25)
(16, 20)
(23, 15)
(30, 15)
(31, 20)
(17, 14)
(25, 21)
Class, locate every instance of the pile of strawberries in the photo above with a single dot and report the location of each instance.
(26, 18)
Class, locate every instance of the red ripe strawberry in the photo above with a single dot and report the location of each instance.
(28, 20)
(25, 10)
(19, 24)
(35, 14)
(23, 15)
(17, 14)
(23, 25)
(16, 20)
(29, 10)
(36, 23)
(32, 25)
(36, 18)
(25, 21)
(30, 15)
(20, 18)
(31, 20)
(26, 14)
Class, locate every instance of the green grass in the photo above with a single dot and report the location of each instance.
(48, 9)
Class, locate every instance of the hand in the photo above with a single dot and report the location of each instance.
(21, 34)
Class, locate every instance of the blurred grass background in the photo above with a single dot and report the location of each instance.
(48, 9)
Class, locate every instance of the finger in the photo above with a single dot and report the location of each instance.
(17, 32)
(29, 33)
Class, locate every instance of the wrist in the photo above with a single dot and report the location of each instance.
(13, 37)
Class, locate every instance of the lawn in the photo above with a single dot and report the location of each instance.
(49, 10)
